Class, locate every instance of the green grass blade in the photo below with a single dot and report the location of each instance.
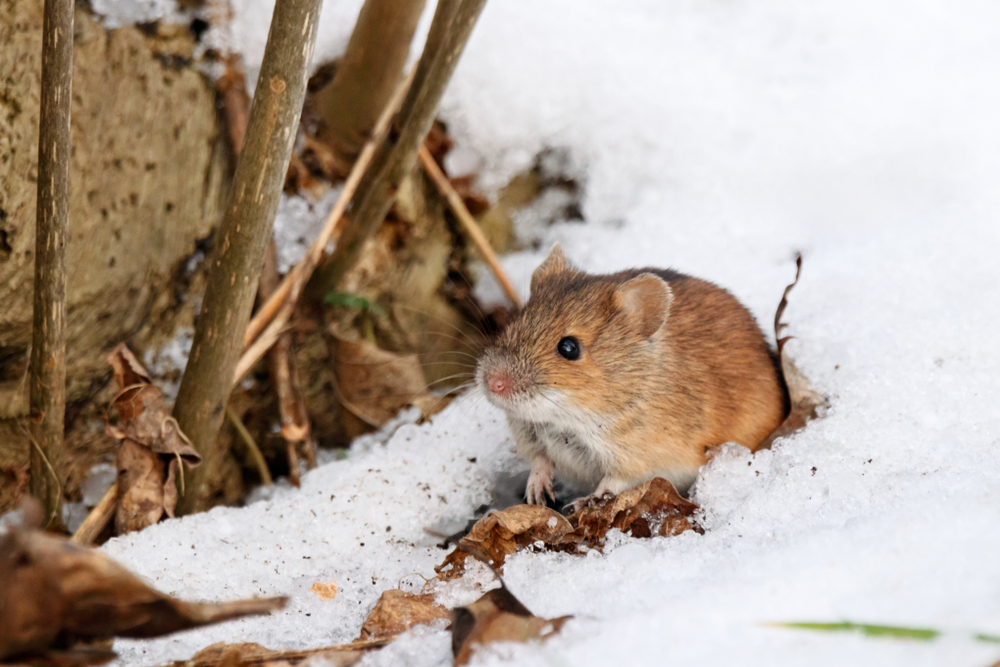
(922, 634)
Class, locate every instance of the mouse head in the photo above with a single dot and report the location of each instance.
(581, 341)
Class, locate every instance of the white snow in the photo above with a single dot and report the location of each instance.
(717, 137)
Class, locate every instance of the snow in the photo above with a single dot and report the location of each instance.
(716, 137)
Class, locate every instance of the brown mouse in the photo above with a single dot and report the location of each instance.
(612, 380)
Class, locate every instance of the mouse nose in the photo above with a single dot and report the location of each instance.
(500, 383)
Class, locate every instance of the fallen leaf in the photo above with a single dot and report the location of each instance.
(498, 535)
(152, 450)
(804, 401)
(53, 593)
(652, 508)
(326, 591)
(249, 654)
(497, 616)
(375, 384)
(397, 611)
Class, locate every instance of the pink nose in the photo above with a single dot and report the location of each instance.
(499, 383)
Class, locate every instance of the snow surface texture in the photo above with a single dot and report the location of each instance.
(715, 137)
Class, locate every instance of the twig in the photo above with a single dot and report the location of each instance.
(468, 222)
(258, 458)
(98, 518)
(244, 234)
(291, 287)
(453, 23)
(294, 423)
(47, 402)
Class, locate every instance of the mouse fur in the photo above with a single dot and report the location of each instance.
(669, 365)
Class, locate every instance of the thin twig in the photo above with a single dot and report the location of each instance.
(293, 283)
(255, 454)
(47, 367)
(294, 423)
(468, 222)
(98, 518)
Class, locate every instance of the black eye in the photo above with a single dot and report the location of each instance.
(569, 348)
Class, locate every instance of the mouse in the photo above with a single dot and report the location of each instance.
(611, 380)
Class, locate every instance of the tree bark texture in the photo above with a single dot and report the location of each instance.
(47, 366)
(244, 234)
(450, 30)
(366, 77)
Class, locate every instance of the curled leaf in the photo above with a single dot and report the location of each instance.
(497, 616)
(152, 449)
(498, 535)
(652, 508)
(804, 401)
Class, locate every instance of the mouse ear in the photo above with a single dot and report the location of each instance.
(554, 263)
(646, 301)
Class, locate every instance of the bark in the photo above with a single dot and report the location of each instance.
(366, 77)
(450, 30)
(47, 367)
(244, 234)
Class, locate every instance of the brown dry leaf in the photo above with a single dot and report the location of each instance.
(324, 591)
(375, 384)
(249, 654)
(152, 451)
(496, 536)
(804, 400)
(498, 616)
(652, 508)
(397, 611)
(53, 592)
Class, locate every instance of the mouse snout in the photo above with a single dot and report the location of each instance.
(500, 383)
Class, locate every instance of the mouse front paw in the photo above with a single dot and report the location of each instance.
(540, 481)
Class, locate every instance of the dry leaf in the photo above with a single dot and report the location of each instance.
(152, 449)
(652, 508)
(53, 592)
(498, 616)
(375, 384)
(326, 591)
(249, 654)
(804, 400)
(497, 535)
(397, 611)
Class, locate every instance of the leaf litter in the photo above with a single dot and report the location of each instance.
(54, 594)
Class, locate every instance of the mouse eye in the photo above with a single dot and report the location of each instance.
(569, 348)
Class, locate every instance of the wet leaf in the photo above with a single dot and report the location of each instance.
(53, 593)
(152, 448)
(804, 401)
(497, 616)
(497, 535)
(652, 508)
(397, 611)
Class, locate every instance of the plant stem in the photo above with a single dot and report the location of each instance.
(48, 347)
(366, 77)
(244, 234)
(450, 30)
